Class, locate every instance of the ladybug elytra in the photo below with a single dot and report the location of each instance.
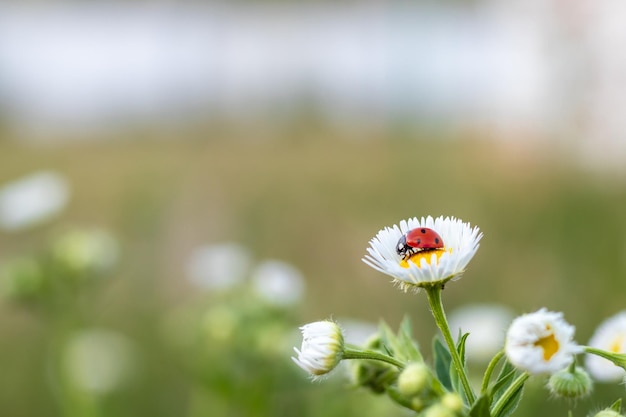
(418, 240)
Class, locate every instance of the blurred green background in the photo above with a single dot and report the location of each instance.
(296, 130)
(554, 237)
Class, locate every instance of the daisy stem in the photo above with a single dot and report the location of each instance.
(510, 392)
(351, 353)
(489, 371)
(436, 306)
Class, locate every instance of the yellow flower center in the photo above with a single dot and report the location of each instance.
(616, 345)
(416, 258)
(550, 346)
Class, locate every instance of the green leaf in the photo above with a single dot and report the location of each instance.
(505, 378)
(512, 403)
(442, 363)
(455, 379)
(617, 406)
(409, 349)
(481, 407)
(460, 347)
(388, 339)
(400, 346)
(405, 326)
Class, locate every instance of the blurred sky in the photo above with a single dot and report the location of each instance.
(552, 68)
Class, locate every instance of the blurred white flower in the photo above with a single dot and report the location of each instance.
(99, 361)
(426, 267)
(219, 266)
(86, 249)
(279, 283)
(609, 336)
(322, 347)
(32, 200)
(541, 342)
(358, 332)
(486, 325)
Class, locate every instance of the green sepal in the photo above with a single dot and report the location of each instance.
(443, 360)
(481, 407)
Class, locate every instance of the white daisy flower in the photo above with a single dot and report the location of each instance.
(391, 253)
(609, 336)
(322, 347)
(541, 342)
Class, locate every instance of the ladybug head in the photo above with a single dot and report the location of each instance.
(402, 247)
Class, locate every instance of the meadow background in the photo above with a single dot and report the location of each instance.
(287, 180)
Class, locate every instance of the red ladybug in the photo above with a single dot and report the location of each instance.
(417, 240)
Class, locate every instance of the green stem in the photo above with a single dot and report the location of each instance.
(436, 306)
(618, 359)
(510, 391)
(489, 371)
(350, 353)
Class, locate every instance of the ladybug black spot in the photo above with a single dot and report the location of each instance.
(437, 240)
(423, 230)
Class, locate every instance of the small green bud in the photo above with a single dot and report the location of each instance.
(417, 404)
(414, 379)
(439, 410)
(372, 374)
(452, 401)
(573, 382)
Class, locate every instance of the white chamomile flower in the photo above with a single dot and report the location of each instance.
(609, 336)
(541, 342)
(322, 347)
(423, 252)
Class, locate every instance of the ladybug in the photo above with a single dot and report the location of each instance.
(418, 240)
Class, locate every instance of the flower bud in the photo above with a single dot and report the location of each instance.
(439, 410)
(452, 401)
(413, 379)
(573, 382)
(322, 347)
